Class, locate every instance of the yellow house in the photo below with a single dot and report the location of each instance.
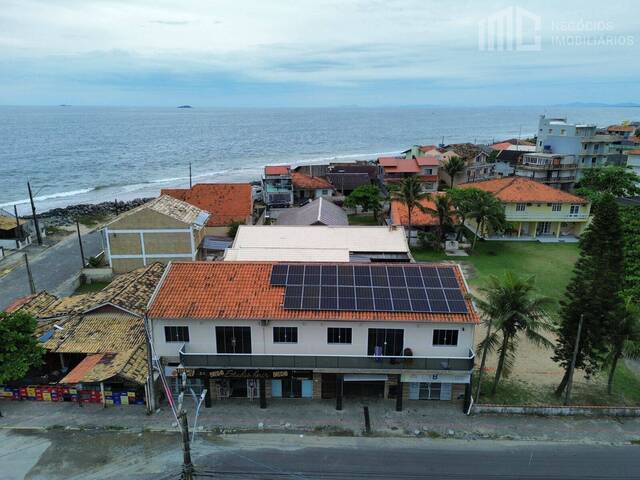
(161, 230)
(535, 211)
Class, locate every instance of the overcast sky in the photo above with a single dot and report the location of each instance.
(313, 53)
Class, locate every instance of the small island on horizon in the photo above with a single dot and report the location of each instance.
(185, 106)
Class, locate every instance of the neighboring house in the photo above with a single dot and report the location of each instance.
(163, 229)
(346, 177)
(625, 131)
(633, 161)
(277, 186)
(17, 234)
(477, 167)
(306, 187)
(319, 244)
(420, 221)
(265, 331)
(226, 202)
(534, 210)
(95, 342)
(318, 212)
(425, 168)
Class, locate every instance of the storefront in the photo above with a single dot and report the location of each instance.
(436, 386)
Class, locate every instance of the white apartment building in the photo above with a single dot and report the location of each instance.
(308, 330)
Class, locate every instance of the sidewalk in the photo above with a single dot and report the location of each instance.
(429, 419)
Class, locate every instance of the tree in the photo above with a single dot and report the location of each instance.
(233, 229)
(463, 200)
(486, 210)
(453, 166)
(624, 339)
(512, 307)
(366, 196)
(411, 195)
(593, 293)
(615, 180)
(443, 210)
(630, 219)
(19, 349)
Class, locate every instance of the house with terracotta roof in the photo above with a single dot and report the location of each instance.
(425, 168)
(633, 160)
(424, 221)
(308, 187)
(277, 186)
(161, 230)
(535, 211)
(226, 203)
(265, 330)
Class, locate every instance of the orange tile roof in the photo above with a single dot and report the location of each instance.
(635, 151)
(306, 182)
(621, 128)
(400, 214)
(85, 366)
(521, 190)
(226, 202)
(501, 146)
(239, 290)
(277, 169)
(426, 148)
(428, 161)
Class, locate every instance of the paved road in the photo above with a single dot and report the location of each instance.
(51, 269)
(114, 455)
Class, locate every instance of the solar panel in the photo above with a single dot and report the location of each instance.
(408, 288)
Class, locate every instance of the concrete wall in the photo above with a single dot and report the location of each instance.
(557, 410)
(312, 337)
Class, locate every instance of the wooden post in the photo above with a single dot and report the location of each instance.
(104, 400)
(576, 348)
(151, 397)
(80, 243)
(263, 393)
(187, 466)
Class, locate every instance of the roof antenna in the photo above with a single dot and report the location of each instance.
(190, 185)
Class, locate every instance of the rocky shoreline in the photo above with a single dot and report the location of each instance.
(59, 217)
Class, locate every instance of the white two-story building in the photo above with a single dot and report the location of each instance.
(294, 330)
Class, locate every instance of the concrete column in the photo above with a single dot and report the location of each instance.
(339, 391)
(206, 384)
(558, 230)
(263, 393)
(399, 396)
(519, 228)
(467, 395)
(535, 229)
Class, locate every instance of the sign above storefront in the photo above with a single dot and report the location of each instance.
(240, 373)
(435, 378)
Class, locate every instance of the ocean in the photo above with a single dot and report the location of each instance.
(92, 154)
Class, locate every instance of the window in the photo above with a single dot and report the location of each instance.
(521, 207)
(562, 131)
(325, 192)
(556, 207)
(575, 210)
(445, 338)
(285, 334)
(430, 391)
(385, 341)
(338, 335)
(176, 334)
(233, 339)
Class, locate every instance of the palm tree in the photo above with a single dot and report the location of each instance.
(453, 166)
(486, 210)
(511, 307)
(443, 210)
(624, 341)
(411, 195)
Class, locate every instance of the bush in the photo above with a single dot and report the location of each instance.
(429, 240)
(233, 229)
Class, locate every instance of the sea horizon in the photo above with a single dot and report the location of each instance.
(92, 154)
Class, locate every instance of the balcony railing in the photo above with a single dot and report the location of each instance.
(331, 362)
(547, 217)
(548, 166)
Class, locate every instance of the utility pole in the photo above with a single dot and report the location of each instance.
(35, 219)
(115, 205)
(187, 466)
(151, 396)
(576, 348)
(32, 285)
(18, 229)
(80, 242)
(190, 184)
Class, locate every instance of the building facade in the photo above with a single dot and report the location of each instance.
(277, 186)
(162, 230)
(263, 333)
(425, 168)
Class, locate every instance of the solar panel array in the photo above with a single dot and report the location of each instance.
(379, 288)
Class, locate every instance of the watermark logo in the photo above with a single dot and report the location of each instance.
(512, 28)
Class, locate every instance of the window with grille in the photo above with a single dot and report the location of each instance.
(521, 207)
(285, 334)
(338, 335)
(556, 207)
(176, 334)
(445, 338)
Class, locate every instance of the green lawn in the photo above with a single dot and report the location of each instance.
(551, 263)
(362, 219)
